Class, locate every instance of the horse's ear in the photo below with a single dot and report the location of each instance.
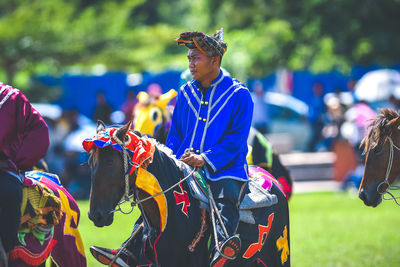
(100, 126)
(123, 130)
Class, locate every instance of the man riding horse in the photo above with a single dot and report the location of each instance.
(210, 126)
(24, 139)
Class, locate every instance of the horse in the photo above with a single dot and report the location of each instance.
(50, 231)
(177, 225)
(381, 147)
(152, 117)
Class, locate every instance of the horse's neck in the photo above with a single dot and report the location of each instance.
(164, 168)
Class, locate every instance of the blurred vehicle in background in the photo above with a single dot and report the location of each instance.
(289, 128)
(378, 85)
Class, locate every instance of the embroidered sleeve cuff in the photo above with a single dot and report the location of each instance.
(208, 161)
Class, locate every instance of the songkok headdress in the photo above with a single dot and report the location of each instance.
(209, 45)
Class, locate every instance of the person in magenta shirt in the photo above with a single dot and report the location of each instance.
(24, 140)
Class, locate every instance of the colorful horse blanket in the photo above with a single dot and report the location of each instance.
(64, 243)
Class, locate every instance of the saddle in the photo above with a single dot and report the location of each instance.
(40, 207)
(257, 196)
(40, 212)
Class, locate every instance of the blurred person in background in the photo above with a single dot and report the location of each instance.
(260, 115)
(354, 129)
(345, 155)
(128, 106)
(394, 103)
(317, 109)
(103, 109)
(357, 119)
(154, 90)
(333, 120)
(24, 140)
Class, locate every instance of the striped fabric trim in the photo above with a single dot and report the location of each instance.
(194, 92)
(223, 105)
(209, 162)
(7, 96)
(4, 88)
(189, 102)
(223, 94)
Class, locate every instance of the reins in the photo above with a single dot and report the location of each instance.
(386, 181)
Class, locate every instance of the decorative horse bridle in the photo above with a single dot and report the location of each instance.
(386, 181)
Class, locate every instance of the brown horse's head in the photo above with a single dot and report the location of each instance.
(377, 146)
(108, 181)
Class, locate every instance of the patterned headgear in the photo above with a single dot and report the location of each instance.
(139, 148)
(209, 45)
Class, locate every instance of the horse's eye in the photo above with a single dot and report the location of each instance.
(155, 114)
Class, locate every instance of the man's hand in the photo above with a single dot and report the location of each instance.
(193, 160)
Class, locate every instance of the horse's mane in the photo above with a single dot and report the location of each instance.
(382, 126)
(166, 150)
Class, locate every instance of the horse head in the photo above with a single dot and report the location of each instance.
(115, 154)
(151, 114)
(381, 147)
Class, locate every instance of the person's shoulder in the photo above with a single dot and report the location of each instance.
(5, 89)
(187, 86)
(240, 88)
(234, 84)
(9, 92)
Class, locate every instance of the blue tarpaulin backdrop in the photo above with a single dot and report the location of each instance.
(79, 91)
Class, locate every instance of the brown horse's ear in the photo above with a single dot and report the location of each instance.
(121, 133)
(100, 126)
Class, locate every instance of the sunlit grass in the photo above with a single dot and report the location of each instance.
(336, 229)
(327, 229)
(109, 236)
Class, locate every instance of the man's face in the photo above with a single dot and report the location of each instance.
(200, 65)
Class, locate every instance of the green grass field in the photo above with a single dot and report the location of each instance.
(327, 229)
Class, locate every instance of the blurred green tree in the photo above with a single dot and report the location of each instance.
(50, 36)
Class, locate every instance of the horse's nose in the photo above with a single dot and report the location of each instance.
(363, 195)
(100, 218)
(96, 217)
(372, 199)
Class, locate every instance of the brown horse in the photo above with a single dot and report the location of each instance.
(382, 149)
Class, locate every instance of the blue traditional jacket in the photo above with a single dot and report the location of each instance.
(215, 125)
